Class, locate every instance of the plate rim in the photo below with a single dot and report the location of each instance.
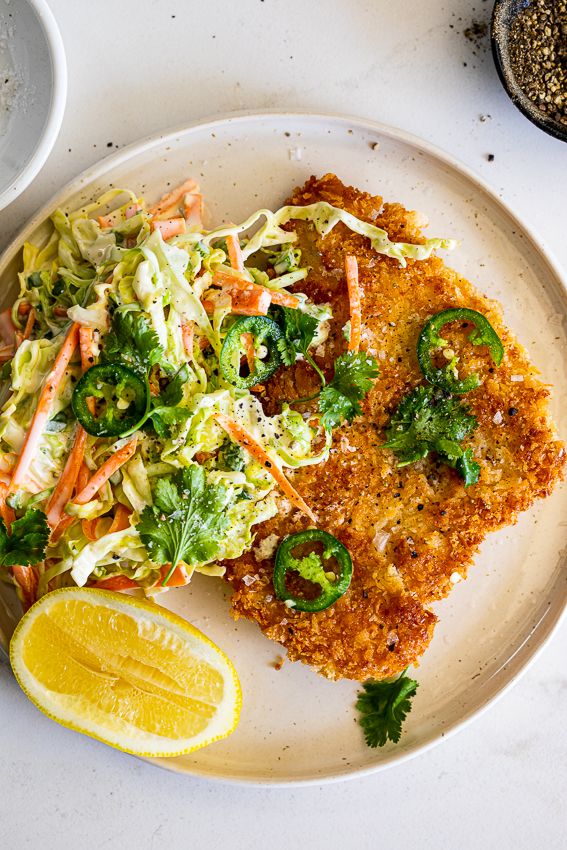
(543, 631)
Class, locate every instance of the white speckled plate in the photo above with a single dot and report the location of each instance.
(297, 727)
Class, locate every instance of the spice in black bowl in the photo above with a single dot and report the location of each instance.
(529, 41)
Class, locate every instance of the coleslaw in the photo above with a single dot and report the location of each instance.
(119, 420)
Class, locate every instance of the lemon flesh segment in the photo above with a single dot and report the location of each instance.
(121, 670)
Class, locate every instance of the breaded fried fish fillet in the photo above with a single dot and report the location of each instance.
(408, 529)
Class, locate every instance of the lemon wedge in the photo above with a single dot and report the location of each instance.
(126, 672)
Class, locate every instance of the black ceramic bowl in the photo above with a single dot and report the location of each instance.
(502, 17)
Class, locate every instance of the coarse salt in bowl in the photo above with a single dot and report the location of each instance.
(33, 89)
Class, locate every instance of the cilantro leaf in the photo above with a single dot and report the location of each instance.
(187, 521)
(165, 412)
(287, 351)
(165, 418)
(468, 468)
(173, 392)
(133, 342)
(383, 707)
(426, 421)
(27, 540)
(340, 400)
(298, 329)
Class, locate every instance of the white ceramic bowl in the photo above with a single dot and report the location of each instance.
(33, 88)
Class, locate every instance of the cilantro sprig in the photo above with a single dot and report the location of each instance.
(340, 399)
(27, 540)
(165, 411)
(299, 331)
(383, 707)
(133, 342)
(188, 520)
(427, 421)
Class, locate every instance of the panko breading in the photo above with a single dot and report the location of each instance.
(408, 529)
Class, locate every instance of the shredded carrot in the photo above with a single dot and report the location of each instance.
(86, 492)
(237, 281)
(86, 345)
(94, 529)
(193, 210)
(6, 511)
(248, 340)
(188, 335)
(60, 311)
(351, 272)
(173, 197)
(64, 489)
(241, 436)
(23, 308)
(20, 337)
(82, 477)
(89, 529)
(169, 227)
(46, 399)
(250, 303)
(27, 579)
(102, 475)
(179, 577)
(30, 323)
(121, 519)
(113, 217)
(116, 583)
(243, 303)
(100, 525)
(235, 253)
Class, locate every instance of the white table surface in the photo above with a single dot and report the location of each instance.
(137, 66)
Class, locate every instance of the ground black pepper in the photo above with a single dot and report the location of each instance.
(538, 55)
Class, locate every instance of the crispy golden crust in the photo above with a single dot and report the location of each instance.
(424, 524)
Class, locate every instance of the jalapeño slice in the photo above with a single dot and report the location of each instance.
(265, 334)
(110, 400)
(430, 339)
(313, 567)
